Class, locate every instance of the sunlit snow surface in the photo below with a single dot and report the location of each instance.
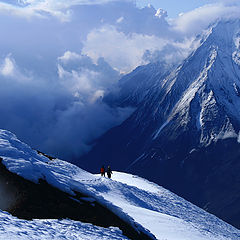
(12, 228)
(145, 205)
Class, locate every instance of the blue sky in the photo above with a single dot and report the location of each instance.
(174, 7)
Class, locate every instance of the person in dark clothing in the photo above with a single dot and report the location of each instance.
(109, 172)
(102, 171)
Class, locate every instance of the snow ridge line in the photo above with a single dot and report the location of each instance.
(20, 159)
(116, 210)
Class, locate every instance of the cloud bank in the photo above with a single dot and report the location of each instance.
(58, 59)
(193, 22)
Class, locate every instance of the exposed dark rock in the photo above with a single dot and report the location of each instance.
(46, 155)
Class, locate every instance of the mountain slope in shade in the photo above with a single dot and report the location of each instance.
(194, 109)
(146, 207)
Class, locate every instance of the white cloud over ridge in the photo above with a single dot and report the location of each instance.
(59, 58)
(193, 22)
(81, 76)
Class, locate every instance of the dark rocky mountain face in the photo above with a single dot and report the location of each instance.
(184, 132)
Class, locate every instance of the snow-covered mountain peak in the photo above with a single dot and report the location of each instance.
(199, 98)
(209, 80)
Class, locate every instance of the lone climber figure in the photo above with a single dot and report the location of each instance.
(102, 171)
(109, 172)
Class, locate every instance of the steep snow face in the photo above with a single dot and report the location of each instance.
(204, 90)
(208, 84)
(142, 204)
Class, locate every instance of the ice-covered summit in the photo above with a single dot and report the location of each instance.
(209, 86)
(202, 95)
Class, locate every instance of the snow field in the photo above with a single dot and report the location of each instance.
(12, 228)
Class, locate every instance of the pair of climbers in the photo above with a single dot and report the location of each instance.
(109, 171)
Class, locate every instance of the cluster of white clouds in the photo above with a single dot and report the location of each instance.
(195, 21)
(39, 8)
(83, 77)
(127, 54)
(59, 58)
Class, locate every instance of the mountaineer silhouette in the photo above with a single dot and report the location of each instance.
(109, 172)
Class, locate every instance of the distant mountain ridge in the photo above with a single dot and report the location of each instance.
(185, 128)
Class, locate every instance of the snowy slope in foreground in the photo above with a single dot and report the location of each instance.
(12, 228)
(165, 214)
(144, 205)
